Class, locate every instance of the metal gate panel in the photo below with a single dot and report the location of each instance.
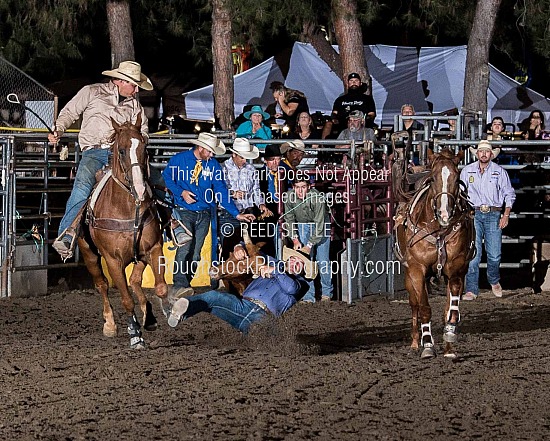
(369, 267)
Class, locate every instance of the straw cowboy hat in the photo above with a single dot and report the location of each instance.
(256, 109)
(209, 142)
(296, 145)
(310, 267)
(485, 145)
(130, 71)
(244, 149)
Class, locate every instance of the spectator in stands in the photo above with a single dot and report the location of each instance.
(495, 130)
(355, 99)
(356, 130)
(410, 124)
(308, 225)
(97, 104)
(306, 130)
(277, 289)
(244, 188)
(533, 126)
(489, 189)
(196, 182)
(289, 103)
(255, 128)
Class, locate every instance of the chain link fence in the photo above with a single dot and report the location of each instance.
(23, 101)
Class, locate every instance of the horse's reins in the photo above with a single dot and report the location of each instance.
(131, 189)
(436, 237)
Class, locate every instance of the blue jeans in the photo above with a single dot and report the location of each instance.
(486, 225)
(188, 256)
(90, 162)
(239, 313)
(320, 254)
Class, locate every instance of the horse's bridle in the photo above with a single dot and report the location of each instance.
(130, 189)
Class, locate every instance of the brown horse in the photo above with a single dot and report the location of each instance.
(436, 237)
(122, 226)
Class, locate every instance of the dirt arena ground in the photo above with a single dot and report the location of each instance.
(328, 371)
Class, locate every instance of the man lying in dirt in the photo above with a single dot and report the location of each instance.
(278, 288)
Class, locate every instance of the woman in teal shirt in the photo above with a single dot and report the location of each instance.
(254, 128)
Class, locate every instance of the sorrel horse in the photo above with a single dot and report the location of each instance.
(122, 227)
(436, 237)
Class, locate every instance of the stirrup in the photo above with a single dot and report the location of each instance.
(60, 246)
(187, 236)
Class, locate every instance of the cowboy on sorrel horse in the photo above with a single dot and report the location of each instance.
(123, 227)
(435, 236)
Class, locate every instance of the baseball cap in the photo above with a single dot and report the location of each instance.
(356, 114)
(354, 75)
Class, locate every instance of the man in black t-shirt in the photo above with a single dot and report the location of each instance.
(354, 99)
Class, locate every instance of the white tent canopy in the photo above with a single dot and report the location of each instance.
(251, 87)
(432, 79)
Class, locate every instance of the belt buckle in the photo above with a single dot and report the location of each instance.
(485, 208)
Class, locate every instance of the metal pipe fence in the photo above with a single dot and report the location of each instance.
(41, 174)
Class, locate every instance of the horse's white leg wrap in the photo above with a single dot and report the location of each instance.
(426, 329)
(453, 306)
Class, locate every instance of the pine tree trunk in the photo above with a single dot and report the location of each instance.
(120, 31)
(350, 39)
(223, 64)
(476, 79)
(323, 48)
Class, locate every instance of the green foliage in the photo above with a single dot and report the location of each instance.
(534, 18)
(41, 37)
(56, 39)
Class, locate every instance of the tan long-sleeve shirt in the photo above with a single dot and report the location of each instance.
(97, 104)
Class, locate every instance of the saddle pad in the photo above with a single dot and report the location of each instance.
(97, 189)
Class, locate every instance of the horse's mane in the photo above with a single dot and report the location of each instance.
(447, 153)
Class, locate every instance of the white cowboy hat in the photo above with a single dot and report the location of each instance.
(310, 267)
(210, 142)
(485, 145)
(244, 149)
(296, 145)
(130, 71)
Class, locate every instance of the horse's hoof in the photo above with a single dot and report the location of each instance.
(137, 343)
(450, 333)
(166, 306)
(428, 352)
(109, 331)
(450, 355)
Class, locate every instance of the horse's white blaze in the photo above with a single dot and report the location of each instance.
(137, 175)
(445, 174)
